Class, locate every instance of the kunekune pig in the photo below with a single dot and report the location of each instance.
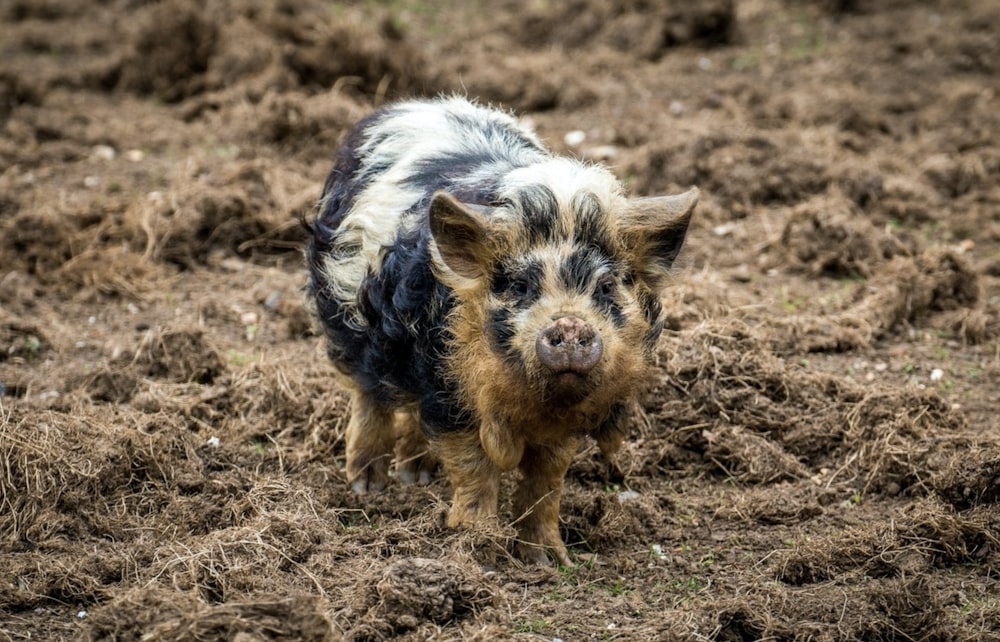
(489, 303)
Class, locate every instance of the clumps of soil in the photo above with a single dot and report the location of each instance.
(971, 479)
(874, 581)
(643, 29)
(882, 609)
(180, 355)
(16, 91)
(936, 288)
(831, 241)
(406, 593)
(785, 503)
(170, 52)
(36, 242)
(928, 535)
(179, 51)
(751, 458)
(740, 172)
(20, 339)
(248, 210)
(373, 57)
(758, 419)
(600, 519)
(168, 615)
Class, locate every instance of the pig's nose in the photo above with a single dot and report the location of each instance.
(569, 345)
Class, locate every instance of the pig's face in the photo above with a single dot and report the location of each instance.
(566, 282)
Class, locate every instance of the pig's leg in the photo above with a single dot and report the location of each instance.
(370, 439)
(414, 462)
(536, 505)
(474, 478)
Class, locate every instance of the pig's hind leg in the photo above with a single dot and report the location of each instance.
(536, 505)
(370, 438)
(414, 462)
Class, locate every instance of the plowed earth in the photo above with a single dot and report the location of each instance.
(818, 457)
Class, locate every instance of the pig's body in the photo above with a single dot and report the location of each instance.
(504, 299)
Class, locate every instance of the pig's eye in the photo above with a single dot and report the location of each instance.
(519, 288)
(606, 287)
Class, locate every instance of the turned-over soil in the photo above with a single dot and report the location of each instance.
(817, 457)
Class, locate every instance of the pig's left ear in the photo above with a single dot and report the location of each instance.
(654, 229)
(461, 233)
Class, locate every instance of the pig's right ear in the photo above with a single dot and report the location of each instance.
(460, 231)
(655, 229)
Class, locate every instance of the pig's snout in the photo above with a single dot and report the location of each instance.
(569, 345)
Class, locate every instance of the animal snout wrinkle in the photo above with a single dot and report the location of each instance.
(569, 345)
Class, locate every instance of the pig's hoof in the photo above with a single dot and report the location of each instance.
(540, 555)
(416, 470)
(363, 486)
(373, 478)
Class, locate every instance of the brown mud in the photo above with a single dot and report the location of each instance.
(817, 458)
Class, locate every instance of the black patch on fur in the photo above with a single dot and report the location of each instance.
(398, 356)
(591, 228)
(540, 212)
(652, 310)
(502, 332)
(520, 284)
(499, 133)
(607, 301)
(441, 172)
(577, 271)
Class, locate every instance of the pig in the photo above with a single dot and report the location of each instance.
(489, 304)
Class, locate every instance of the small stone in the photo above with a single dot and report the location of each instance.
(601, 152)
(937, 374)
(627, 496)
(104, 152)
(724, 230)
(135, 155)
(575, 137)
(272, 301)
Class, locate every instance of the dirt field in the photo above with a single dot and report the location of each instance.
(817, 459)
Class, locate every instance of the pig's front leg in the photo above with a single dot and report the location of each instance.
(536, 505)
(475, 479)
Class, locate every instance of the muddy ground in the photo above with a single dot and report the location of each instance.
(818, 457)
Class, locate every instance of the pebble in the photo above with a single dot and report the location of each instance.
(135, 155)
(105, 152)
(601, 152)
(272, 301)
(724, 230)
(92, 181)
(575, 137)
(627, 496)
(937, 374)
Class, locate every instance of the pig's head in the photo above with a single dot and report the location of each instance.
(558, 282)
